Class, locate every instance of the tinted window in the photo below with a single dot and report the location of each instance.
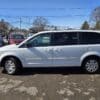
(89, 38)
(40, 40)
(65, 38)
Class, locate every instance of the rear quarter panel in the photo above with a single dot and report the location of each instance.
(92, 50)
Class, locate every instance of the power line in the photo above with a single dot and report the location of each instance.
(69, 15)
(60, 8)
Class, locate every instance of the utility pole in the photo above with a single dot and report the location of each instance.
(20, 23)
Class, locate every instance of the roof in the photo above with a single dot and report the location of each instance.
(58, 31)
(71, 31)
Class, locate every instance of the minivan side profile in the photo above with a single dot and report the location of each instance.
(54, 49)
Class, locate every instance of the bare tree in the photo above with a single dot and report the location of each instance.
(95, 16)
(4, 27)
(97, 25)
(40, 24)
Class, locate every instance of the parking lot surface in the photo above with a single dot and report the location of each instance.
(50, 84)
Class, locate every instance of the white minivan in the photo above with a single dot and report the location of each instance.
(76, 48)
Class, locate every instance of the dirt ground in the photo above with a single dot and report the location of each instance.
(50, 84)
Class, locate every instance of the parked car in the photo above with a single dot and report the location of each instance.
(29, 34)
(15, 38)
(5, 39)
(1, 41)
(54, 49)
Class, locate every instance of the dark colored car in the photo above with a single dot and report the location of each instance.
(1, 41)
(15, 38)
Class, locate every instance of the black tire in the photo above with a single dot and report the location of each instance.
(15, 64)
(91, 65)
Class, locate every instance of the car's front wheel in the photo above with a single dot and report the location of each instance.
(11, 66)
(91, 65)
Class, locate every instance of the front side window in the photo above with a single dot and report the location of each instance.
(65, 38)
(40, 40)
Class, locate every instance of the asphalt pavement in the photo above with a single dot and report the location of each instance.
(50, 84)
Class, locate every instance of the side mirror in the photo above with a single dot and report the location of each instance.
(29, 45)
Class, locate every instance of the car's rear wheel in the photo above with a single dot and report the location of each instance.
(91, 65)
(11, 66)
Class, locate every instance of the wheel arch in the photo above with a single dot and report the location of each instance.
(4, 58)
(89, 56)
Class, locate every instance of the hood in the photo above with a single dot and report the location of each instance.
(8, 47)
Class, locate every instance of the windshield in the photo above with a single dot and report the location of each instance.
(17, 36)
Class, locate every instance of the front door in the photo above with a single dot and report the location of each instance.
(39, 51)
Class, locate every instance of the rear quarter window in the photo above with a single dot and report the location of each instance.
(89, 38)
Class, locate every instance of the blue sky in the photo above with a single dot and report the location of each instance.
(70, 13)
